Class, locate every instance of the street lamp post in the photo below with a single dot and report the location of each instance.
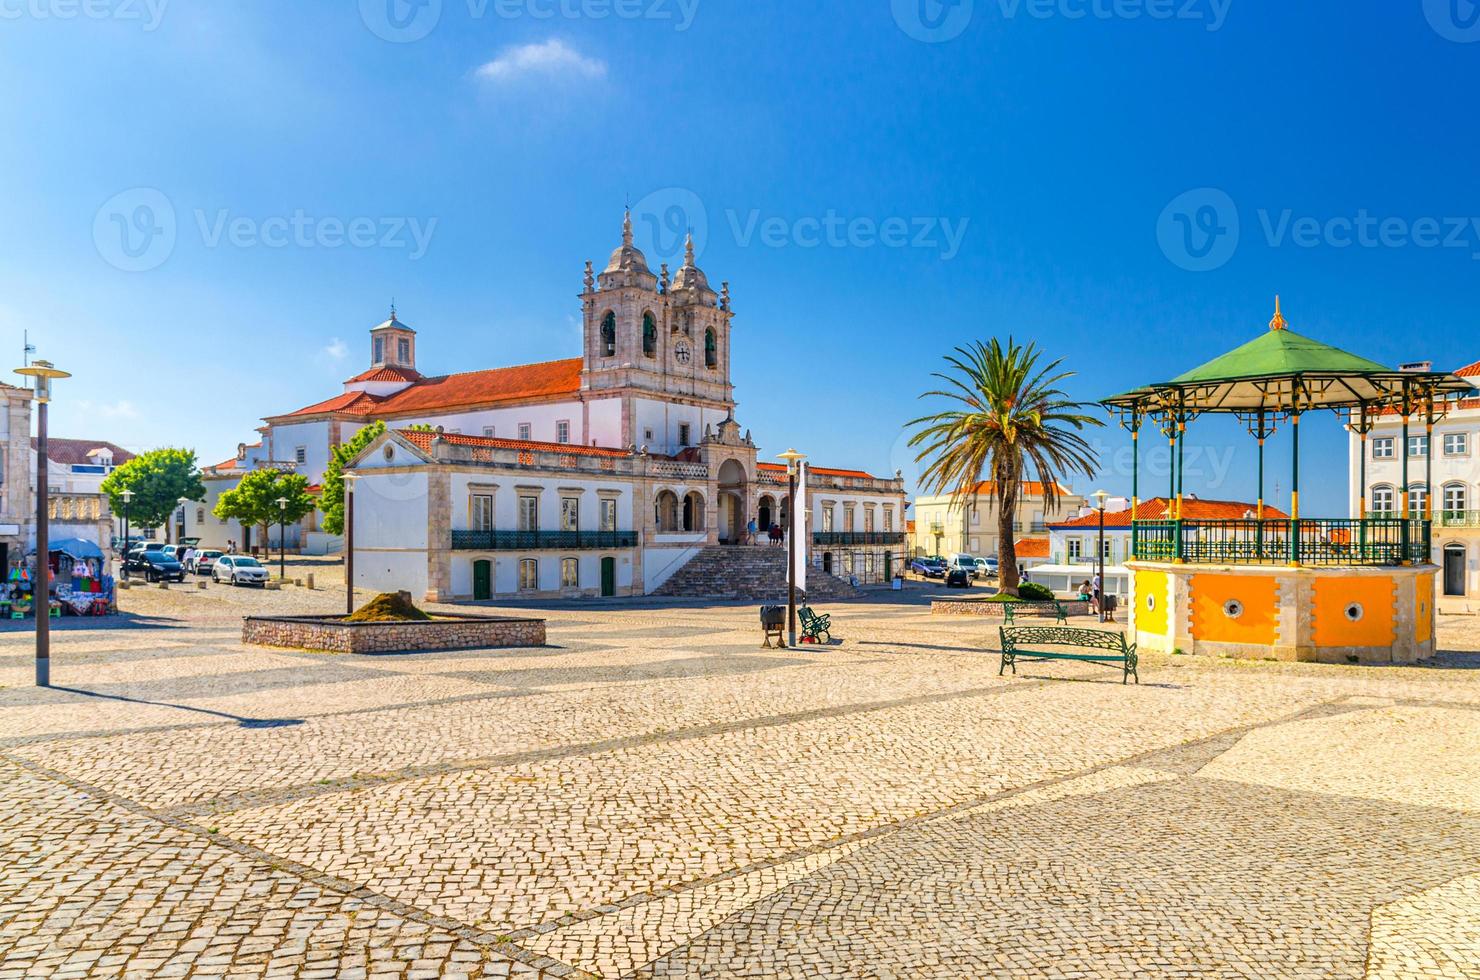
(1100, 496)
(127, 495)
(349, 542)
(282, 503)
(43, 372)
(792, 458)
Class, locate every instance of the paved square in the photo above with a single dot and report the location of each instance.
(655, 796)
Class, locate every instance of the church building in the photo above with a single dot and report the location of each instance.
(602, 474)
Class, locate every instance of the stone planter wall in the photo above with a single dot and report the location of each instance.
(993, 610)
(449, 632)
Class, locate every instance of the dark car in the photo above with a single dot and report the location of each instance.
(157, 566)
(958, 578)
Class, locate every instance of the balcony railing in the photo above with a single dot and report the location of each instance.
(858, 537)
(1457, 518)
(1346, 541)
(542, 540)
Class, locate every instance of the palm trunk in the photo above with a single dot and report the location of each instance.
(1007, 564)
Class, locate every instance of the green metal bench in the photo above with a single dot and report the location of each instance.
(1042, 607)
(813, 625)
(1026, 643)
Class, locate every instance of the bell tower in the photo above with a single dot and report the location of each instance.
(393, 344)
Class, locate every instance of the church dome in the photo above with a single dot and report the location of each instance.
(627, 257)
(690, 276)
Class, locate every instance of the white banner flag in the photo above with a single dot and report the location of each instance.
(798, 538)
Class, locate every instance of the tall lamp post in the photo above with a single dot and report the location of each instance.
(282, 503)
(127, 495)
(349, 543)
(43, 372)
(1100, 497)
(791, 458)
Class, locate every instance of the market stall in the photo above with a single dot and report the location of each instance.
(78, 583)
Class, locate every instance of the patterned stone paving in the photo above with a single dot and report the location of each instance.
(654, 796)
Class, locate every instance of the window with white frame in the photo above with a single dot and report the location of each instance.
(525, 430)
(1383, 448)
(868, 517)
(888, 519)
(1456, 444)
(562, 431)
(608, 514)
(529, 574)
(847, 518)
(480, 512)
(1456, 498)
(570, 573)
(1384, 500)
(529, 512)
(570, 513)
(1418, 498)
(1075, 549)
(300, 455)
(1418, 447)
(403, 350)
(488, 431)
(827, 519)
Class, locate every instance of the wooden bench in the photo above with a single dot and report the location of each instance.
(1041, 607)
(813, 625)
(1026, 642)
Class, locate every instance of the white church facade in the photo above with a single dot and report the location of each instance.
(597, 475)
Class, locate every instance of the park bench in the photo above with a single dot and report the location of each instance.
(1042, 607)
(813, 625)
(1095, 646)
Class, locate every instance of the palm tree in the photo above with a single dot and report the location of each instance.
(1010, 419)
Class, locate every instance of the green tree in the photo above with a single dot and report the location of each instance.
(159, 480)
(1009, 419)
(254, 501)
(331, 499)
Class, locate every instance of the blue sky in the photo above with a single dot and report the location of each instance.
(1063, 170)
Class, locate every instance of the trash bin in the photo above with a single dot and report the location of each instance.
(898, 584)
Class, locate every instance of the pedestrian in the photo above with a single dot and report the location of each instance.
(1095, 597)
(750, 532)
(775, 534)
(189, 556)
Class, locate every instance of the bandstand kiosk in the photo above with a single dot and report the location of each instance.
(1333, 590)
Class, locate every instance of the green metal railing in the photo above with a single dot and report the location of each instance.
(542, 540)
(858, 537)
(1342, 541)
(1457, 518)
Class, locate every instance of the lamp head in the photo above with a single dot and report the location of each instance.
(792, 458)
(43, 372)
(1100, 498)
(282, 503)
(127, 495)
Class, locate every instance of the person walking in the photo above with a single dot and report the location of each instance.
(1096, 598)
(750, 532)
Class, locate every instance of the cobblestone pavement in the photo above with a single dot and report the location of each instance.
(652, 795)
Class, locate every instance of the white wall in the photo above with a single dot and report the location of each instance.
(505, 422)
(663, 418)
(313, 437)
(509, 487)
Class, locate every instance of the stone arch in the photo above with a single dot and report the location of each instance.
(609, 334)
(693, 511)
(649, 334)
(733, 501)
(665, 510)
(766, 512)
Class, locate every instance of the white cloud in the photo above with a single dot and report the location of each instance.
(121, 409)
(553, 58)
(336, 350)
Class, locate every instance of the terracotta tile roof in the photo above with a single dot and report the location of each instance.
(74, 452)
(387, 373)
(1469, 370)
(1029, 488)
(1157, 509)
(452, 391)
(1032, 548)
(422, 440)
(819, 470)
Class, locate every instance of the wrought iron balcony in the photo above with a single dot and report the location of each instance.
(542, 540)
(858, 537)
(1345, 541)
(1457, 518)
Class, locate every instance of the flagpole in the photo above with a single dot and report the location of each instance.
(792, 458)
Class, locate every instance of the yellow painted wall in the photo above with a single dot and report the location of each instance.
(1152, 617)
(1257, 594)
(1332, 597)
(1423, 609)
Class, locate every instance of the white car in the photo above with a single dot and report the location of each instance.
(200, 563)
(238, 570)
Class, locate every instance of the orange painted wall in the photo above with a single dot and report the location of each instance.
(1334, 595)
(1152, 618)
(1259, 596)
(1423, 609)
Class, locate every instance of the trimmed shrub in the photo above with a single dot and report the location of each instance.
(1033, 592)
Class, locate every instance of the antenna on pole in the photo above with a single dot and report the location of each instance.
(27, 348)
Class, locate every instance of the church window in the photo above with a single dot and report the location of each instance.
(379, 347)
(403, 350)
(562, 431)
(683, 433)
(649, 335)
(711, 355)
(524, 431)
(609, 334)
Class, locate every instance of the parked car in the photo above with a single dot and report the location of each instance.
(158, 566)
(965, 562)
(200, 563)
(929, 567)
(958, 578)
(986, 568)
(238, 570)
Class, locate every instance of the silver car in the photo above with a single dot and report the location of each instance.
(238, 570)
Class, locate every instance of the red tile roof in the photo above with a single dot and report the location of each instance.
(1032, 548)
(819, 470)
(1158, 509)
(422, 439)
(75, 451)
(1028, 488)
(1469, 370)
(387, 373)
(453, 391)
